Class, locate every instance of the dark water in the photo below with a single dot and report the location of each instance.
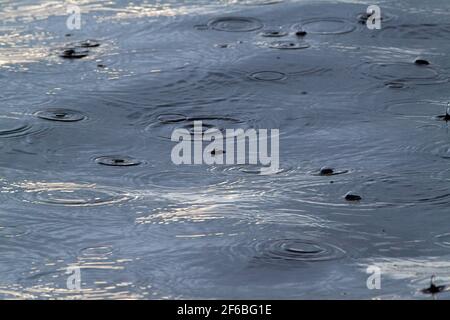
(343, 96)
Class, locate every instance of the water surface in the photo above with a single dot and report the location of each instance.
(86, 178)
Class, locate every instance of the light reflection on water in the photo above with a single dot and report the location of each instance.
(351, 99)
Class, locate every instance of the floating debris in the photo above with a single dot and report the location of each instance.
(326, 171)
(421, 62)
(352, 197)
(446, 116)
(73, 53)
(433, 289)
(301, 33)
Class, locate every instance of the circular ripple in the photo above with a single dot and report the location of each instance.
(98, 252)
(235, 24)
(117, 161)
(171, 118)
(268, 76)
(179, 180)
(287, 45)
(401, 73)
(211, 125)
(71, 194)
(419, 109)
(59, 114)
(288, 250)
(15, 127)
(325, 26)
(251, 169)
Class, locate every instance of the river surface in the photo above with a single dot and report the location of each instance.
(87, 181)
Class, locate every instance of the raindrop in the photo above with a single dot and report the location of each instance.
(59, 114)
(288, 45)
(117, 161)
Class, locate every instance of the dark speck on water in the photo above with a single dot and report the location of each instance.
(421, 62)
(352, 197)
(74, 54)
(326, 171)
(433, 289)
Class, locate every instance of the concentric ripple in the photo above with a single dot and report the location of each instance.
(96, 253)
(11, 126)
(60, 114)
(417, 109)
(325, 26)
(235, 24)
(402, 72)
(268, 76)
(70, 194)
(118, 161)
(165, 124)
(288, 251)
(176, 180)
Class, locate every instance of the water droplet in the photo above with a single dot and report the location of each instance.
(59, 114)
(117, 161)
(288, 45)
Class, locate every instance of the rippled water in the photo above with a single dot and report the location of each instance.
(86, 177)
